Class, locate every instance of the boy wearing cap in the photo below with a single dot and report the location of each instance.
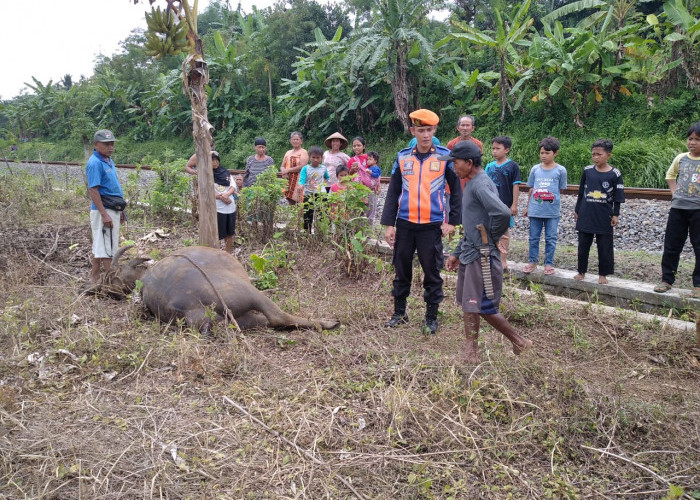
(103, 180)
(258, 163)
(413, 214)
(480, 297)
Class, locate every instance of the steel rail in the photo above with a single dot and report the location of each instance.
(631, 193)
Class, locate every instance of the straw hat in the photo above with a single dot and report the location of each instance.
(337, 135)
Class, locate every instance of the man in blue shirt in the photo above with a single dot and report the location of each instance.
(102, 180)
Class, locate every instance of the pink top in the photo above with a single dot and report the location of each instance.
(358, 164)
(332, 161)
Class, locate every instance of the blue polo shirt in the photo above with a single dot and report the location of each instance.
(102, 174)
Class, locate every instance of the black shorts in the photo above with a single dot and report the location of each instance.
(226, 223)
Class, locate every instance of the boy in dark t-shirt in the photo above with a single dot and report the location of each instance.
(597, 210)
(505, 174)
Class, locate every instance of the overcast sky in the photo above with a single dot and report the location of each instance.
(50, 38)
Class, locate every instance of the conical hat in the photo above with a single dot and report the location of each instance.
(336, 135)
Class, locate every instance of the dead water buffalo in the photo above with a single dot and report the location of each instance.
(184, 284)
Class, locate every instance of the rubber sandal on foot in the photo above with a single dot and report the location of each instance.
(662, 288)
(529, 268)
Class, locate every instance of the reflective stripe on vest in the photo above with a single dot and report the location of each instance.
(422, 189)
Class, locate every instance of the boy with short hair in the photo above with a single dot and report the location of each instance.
(480, 277)
(312, 177)
(684, 216)
(505, 174)
(546, 180)
(597, 210)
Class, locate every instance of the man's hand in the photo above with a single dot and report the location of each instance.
(122, 216)
(390, 236)
(514, 209)
(503, 244)
(576, 217)
(106, 219)
(525, 212)
(452, 263)
(613, 221)
(447, 229)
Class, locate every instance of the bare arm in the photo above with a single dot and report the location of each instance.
(94, 193)
(672, 186)
(191, 167)
(516, 195)
(529, 195)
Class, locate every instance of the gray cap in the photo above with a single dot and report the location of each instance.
(104, 135)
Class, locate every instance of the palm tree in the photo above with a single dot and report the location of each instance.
(502, 40)
(395, 30)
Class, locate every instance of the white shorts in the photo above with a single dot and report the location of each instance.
(104, 243)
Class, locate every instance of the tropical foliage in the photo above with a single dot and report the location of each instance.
(536, 66)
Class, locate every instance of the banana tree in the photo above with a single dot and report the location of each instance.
(564, 61)
(173, 31)
(386, 44)
(685, 35)
(510, 30)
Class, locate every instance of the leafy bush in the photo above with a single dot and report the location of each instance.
(171, 189)
(259, 204)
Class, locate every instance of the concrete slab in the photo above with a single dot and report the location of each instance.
(618, 291)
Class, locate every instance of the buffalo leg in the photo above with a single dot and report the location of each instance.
(277, 318)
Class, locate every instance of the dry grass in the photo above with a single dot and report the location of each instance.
(99, 401)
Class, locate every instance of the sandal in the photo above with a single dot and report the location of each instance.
(662, 287)
(529, 267)
(549, 270)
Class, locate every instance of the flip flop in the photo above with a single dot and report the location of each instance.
(529, 267)
(549, 270)
(662, 287)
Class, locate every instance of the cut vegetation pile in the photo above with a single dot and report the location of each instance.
(98, 400)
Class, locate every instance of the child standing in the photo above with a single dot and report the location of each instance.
(546, 180)
(341, 173)
(372, 180)
(312, 178)
(597, 210)
(225, 204)
(505, 174)
(292, 163)
(683, 179)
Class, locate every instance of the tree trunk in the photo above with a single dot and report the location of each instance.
(269, 84)
(196, 76)
(504, 96)
(399, 87)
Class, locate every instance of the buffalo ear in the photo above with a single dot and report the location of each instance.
(133, 263)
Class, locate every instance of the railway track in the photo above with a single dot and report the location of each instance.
(631, 193)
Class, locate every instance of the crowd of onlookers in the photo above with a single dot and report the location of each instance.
(431, 190)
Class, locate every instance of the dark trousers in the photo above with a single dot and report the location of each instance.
(680, 223)
(311, 202)
(428, 243)
(606, 254)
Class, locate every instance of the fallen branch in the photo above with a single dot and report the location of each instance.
(636, 464)
(291, 444)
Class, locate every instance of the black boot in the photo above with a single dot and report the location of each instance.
(431, 323)
(400, 317)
